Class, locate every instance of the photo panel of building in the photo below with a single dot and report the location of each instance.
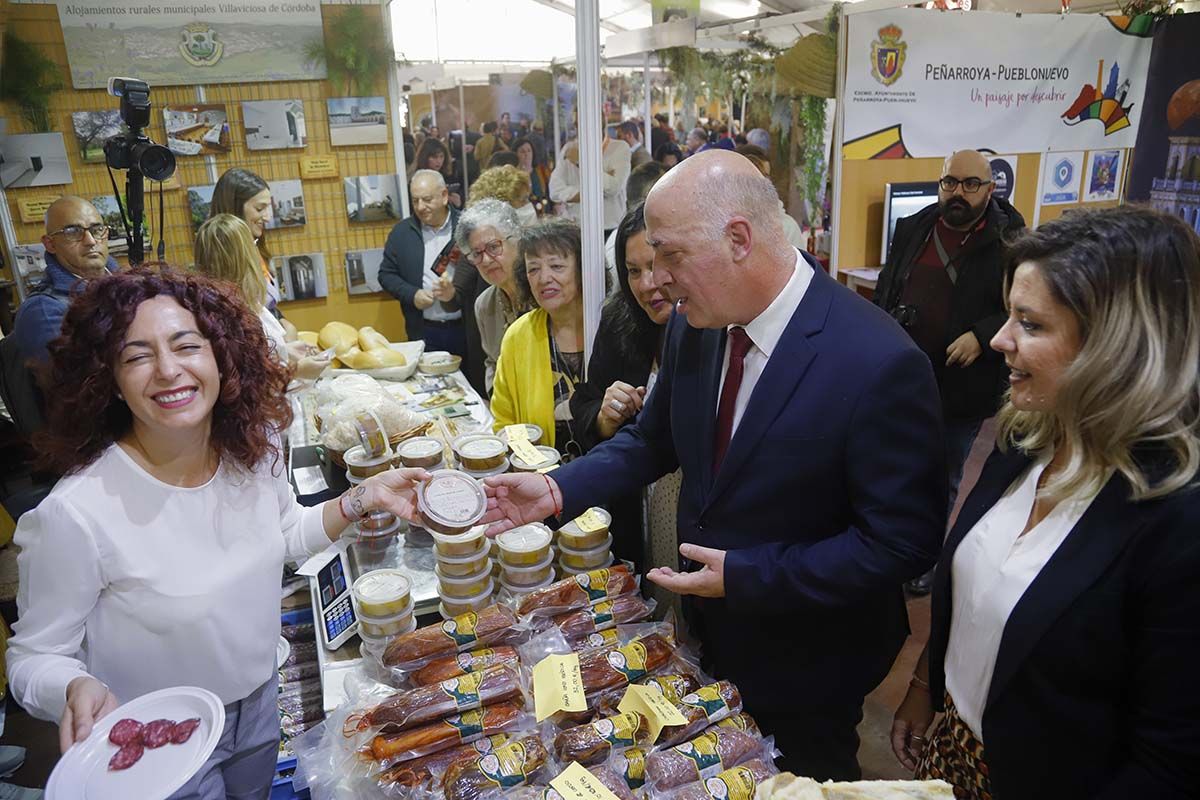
(197, 130)
(33, 159)
(372, 198)
(110, 212)
(92, 130)
(274, 124)
(300, 277)
(362, 271)
(357, 121)
(287, 204)
(29, 264)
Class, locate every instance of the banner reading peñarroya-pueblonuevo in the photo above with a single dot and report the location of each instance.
(925, 83)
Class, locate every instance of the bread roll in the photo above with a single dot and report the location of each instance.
(371, 339)
(338, 335)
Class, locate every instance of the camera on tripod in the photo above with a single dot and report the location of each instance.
(134, 150)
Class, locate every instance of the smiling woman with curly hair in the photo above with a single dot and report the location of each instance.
(155, 562)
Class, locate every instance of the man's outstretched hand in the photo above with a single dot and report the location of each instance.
(515, 500)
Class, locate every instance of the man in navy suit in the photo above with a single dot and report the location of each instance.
(809, 431)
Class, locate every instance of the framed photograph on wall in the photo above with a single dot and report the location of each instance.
(92, 130)
(274, 124)
(287, 205)
(33, 159)
(29, 264)
(372, 198)
(362, 271)
(199, 201)
(357, 121)
(197, 130)
(300, 277)
(1104, 168)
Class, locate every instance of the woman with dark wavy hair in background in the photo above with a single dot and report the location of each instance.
(155, 561)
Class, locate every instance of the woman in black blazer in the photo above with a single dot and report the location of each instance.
(1066, 607)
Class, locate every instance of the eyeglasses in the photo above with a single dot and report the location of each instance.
(969, 185)
(74, 233)
(494, 248)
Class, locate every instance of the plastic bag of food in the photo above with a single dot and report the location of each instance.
(386, 749)
(735, 783)
(579, 591)
(514, 764)
(706, 706)
(701, 757)
(441, 669)
(622, 610)
(593, 742)
(630, 766)
(493, 625)
(400, 780)
(673, 686)
(741, 722)
(604, 775)
(338, 429)
(408, 709)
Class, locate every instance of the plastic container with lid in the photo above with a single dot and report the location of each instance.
(568, 571)
(451, 502)
(371, 533)
(574, 537)
(533, 575)
(382, 593)
(354, 480)
(552, 459)
(592, 558)
(466, 586)
(377, 521)
(424, 452)
(480, 452)
(517, 589)
(394, 625)
(418, 537)
(462, 566)
(372, 435)
(360, 465)
(525, 546)
(453, 606)
(534, 433)
(471, 542)
(479, 475)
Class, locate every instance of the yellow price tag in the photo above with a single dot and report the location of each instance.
(558, 686)
(576, 783)
(524, 450)
(550, 468)
(650, 703)
(591, 521)
(516, 432)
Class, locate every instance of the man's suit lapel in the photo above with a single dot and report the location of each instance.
(712, 353)
(776, 386)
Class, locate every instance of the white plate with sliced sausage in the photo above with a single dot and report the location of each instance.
(148, 748)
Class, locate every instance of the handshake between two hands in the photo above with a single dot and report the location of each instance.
(515, 500)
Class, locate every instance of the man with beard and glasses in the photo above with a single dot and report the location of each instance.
(943, 282)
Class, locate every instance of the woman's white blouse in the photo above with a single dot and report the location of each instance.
(992, 567)
(276, 336)
(144, 585)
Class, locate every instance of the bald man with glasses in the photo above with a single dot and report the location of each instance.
(76, 241)
(943, 282)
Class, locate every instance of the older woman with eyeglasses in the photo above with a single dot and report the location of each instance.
(489, 234)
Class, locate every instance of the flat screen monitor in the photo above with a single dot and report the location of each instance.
(902, 200)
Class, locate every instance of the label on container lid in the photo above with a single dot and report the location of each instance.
(483, 447)
(591, 521)
(558, 686)
(452, 498)
(382, 585)
(516, 432)
(651, 704)
(420, 447)
(524, 450)
(524, 539)
(576, 783)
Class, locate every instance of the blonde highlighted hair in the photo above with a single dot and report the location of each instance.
(225, 250)
(506, 183)
(1130, 400)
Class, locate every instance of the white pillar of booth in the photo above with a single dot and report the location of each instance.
(591, 164)
(432, 108)
(462, 120)
(554, 101)
(646, 120)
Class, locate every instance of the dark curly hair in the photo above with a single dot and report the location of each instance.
(84, 416)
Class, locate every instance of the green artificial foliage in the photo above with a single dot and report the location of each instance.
(812, 150)
(27, 79)
(355, 52)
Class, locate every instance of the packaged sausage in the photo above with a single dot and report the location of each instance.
(742, 722)
(715, 750)
(494, 624)
(464, 663)
(390, 748)
(410, 774)
(705, 706)
(507, 767)
(602, 616)
(608, 669)
(594, 742)
(604, 775)
(579, 591)
(631, 766)
(414, 707)
(673, 687)
(736, 783)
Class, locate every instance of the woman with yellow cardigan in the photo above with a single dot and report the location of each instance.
(541, 357)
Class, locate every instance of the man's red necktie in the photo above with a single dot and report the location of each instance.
(739, 343)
